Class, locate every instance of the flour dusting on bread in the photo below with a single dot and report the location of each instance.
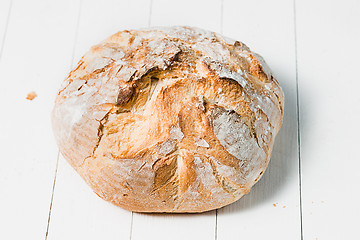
(170, 119)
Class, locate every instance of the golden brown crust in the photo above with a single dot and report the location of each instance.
(169, 119)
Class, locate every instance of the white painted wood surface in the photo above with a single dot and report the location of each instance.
(34, 58)
(328, 40)
(310, 44)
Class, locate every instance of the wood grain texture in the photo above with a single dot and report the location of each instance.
(180, 226)
(34, 57)
(328, 62)
(273, 203)
(77, 212)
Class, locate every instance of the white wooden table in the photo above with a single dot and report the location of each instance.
(311, 188)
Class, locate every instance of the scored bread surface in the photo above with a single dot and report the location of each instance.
(173, 119)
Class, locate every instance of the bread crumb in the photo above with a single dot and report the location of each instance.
(274, 204)
(31, 96)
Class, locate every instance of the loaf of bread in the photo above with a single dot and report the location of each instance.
(174, 119)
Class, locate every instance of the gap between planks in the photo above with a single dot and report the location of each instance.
(52, 196)
(58, 155)
(298, 120)
(5, 30)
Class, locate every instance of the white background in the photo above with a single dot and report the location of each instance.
(311, 188)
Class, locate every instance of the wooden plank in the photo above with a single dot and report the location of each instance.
(328, 62)
(204, 14)
(5, 7)
(77, 212)
(100, 20)
(34, 58)
(267, 27)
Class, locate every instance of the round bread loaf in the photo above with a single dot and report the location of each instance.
(174, 119)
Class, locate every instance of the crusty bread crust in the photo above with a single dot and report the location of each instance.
(174, 119)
